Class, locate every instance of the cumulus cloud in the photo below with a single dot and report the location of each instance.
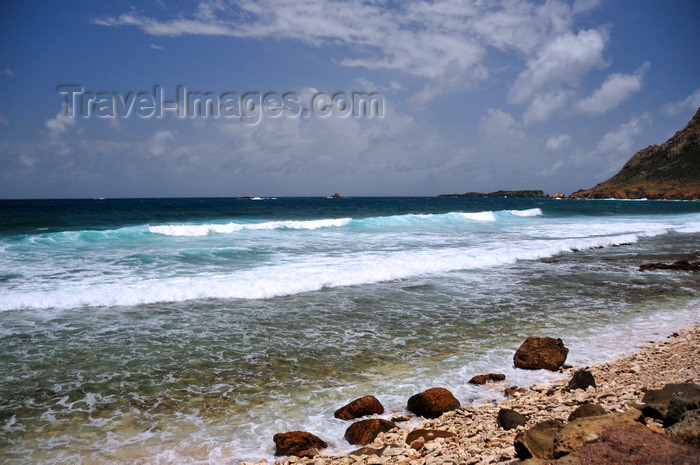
(616, 88)
(563, 61)
(622, 139)
(690, 103)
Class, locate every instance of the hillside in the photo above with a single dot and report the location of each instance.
(667, 171)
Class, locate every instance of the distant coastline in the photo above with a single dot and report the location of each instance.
(515, 193)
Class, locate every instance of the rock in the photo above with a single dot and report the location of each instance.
(656, 400)
(511, 391)
(583, 430)
(581, 380)
(688, 429)
(538, 441)
(365, 431)
(483, 379)
(510, 419)
(336, 196)
(678, 406)
(367, 405)
(299, 443)
(623, 445)
(538, 353)
(432, 403)
(587, 410)
(427, 435)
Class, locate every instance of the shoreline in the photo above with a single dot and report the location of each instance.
(621, 383)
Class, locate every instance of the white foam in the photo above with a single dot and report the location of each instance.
(479, 216)
(296, 275)
(525, 213)
(208, 229)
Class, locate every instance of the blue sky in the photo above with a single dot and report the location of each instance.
(478, 95)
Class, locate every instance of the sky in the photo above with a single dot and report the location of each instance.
(469, 95)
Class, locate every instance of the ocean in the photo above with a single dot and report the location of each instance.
(158, 331)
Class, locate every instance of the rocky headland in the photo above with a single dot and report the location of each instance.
(641, 409)
(667, 171)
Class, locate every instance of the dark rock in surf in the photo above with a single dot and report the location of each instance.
(299, 443)
(367, 405)
(365, 431)
(538, 353)
(483, 379)
(432, 403)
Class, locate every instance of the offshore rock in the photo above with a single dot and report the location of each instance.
(538, 441)
(656, 401)
(365, 431)
(367, 405)
(432, 403)
(299, 443)
(483, 379)
(538, 353)
(582, 379)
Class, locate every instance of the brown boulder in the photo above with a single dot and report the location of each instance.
(364, 431)
(483, 379)
(367, 405)
(538, 353)
(583, 430)
(638, 446)
(688, 429)
(537, 441)
(299, 443)
(432, 403)
(656, 401)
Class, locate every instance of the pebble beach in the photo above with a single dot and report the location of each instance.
(479, 440)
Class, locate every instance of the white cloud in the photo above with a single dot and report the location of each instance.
(443, 41)
(564, 60)
(7, 72)
(156, 47)
(61, 122)
(558, 143)
(622, 139)
(690, 103)
(616, 88)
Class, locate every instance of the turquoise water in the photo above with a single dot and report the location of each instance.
(192, 330)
